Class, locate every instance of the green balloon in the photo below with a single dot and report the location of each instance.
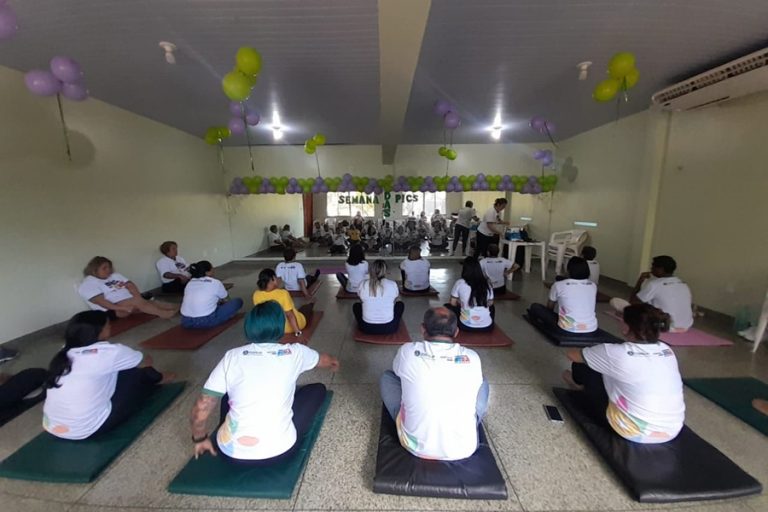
(248, 61)
(442, 151)
(236, 86)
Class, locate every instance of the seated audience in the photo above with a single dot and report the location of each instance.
(438, 240)
(263, 413)
(415, 271)
(660, 288)
(106, 290)
(575, 298)
(293, 276)
(589, 253)
(636, 384)
(357, 269)
(497, 269)
(205, 303)
(172, 268)
(400, 238)
(380, 311)
(354, 234)
(268, 289)
(437, 217)
(94, 385)
(291, 241)
(274, 241)
(472, 298)
(435, 402)
(317, 233)
(339, 244)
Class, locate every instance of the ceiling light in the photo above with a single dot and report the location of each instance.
(583, 68)
(496, 133)
(168, 48)
(497, 126)
(277, 127)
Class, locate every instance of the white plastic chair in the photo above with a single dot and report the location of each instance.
(563, 245)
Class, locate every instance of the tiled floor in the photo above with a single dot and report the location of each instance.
(547, 466)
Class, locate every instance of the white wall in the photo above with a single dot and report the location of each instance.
(132, 184)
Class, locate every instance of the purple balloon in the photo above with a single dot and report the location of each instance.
(324, 188)
(272, 189)
(42, 83)
(455, 179)
(442, 107)
(377, 190)
(236, 108)
(501, 186)
(475, 186)
(537, 189)
(74, 92)
(451, 120)
(549, 126)
(548, 161)
(292, 181)
(458, 187)
(236, 126)
(252, 119)
(449, 187)
(538, 123)
(481, 177)
(9, 23)
(433, 187)
(66, 69)
(347, 177)
(505, 178)
(484, 186)
(539, 154)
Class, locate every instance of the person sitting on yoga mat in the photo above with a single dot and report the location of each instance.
(106, 290)
(295, 319)
(357, 269)
(472, 298)
(589, 253)
(660, 288)
(274, 241)
(263, 414)
(205, 303)
(497, 269)
(435, 391)
(173, 270)
(415, 271)
(636, 384)
(291, 241)
(292, 274)
(574, 299)
(94, 385)
(380, 311)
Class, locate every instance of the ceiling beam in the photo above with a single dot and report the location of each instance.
(401, 31)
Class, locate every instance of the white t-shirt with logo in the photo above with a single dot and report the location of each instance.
(438, 418)
(670, 295)
(274, 239)
(494, 269)
(290, 272)
(491, 215)
(177, 266)
(202, 296)
(465, 216)
(645, 390)
(416, 273)
(379, 309)
(575, 304)
(356, 274)
(113, 288)
(594, 271)
(260, 381)
(82, 402)
(471, 316)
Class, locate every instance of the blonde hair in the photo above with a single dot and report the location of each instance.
(93, 265)
(377, 272)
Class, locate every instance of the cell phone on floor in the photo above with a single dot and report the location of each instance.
(553, 414)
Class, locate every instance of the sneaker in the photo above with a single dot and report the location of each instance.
(147, 296)
(6, 354)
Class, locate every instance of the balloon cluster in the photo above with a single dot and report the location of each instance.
(8, 21)
(310, 145)
(238, 83)
(545, 157)
(623, 76)
(451, 121)
(541, 125)
(534, 184)
(216, 134)
(242, 115)
(65, 77)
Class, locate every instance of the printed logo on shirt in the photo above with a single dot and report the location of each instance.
(252, 352)
(662, 353)
(282, 352)
(461, 359)
(419, 353)
(89, 351)
(115, 284)
(180, 265)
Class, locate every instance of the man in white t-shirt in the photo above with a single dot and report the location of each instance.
(662, 289)
(274, 241)
(497, 269)
(435, 392)
(491, 227)
(173, 269)
(415, 271)
(293, 276)
(589, 253)
(461, 228)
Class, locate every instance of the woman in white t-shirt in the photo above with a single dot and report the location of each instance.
(379, 311)
(472, 298)
(357, 269)
(205, 303)
(263, 414)
(103, 289)
(415, 271)
(571, 304)
(94, 385)
(636, 385)
(173, 270)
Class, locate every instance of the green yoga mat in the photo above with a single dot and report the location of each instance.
(735, 395)
(49, 459)
(214, 476)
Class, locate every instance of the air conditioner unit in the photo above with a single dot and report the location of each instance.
(737, 78)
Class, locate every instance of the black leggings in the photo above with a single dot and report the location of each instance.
(175, 286)
(483, 242)
(306, 402)
(403, 276)
(462, 327)
(463, 232)
(593, 388)
(13, 391)
(547, 319)
(133, 388)
(314, 277)
(501, 290)
(388, 328)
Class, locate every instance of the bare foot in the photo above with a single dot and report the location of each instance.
(568, 378)
(167, 305)
(167, 377)
(761, 405)
(167, 313)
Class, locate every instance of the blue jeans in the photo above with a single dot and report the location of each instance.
(392, 395)
(223, 313)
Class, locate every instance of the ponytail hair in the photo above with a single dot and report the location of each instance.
(200, 268)
(376, 273)
(82, 330)
(265, 276)
(646, 322)
(472, 274)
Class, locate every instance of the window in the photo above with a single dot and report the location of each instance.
(347, 204)
(426, 202)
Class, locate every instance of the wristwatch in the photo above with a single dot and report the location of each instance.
(298, 333)
(199, 439)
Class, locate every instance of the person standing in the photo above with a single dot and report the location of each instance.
(491, 227)
(461, 228)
